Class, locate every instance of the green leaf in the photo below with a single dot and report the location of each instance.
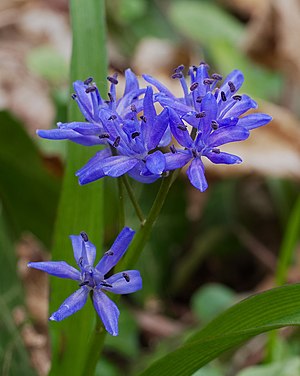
(14, 358)
(205, 22)
(29, 194)
(211, 300)
(80, 207)
(257, 314)
(48, 63)
(220, 36)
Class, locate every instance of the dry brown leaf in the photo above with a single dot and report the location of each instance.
(35, 284)
(273, 36)
(25, 25)
(272, 150)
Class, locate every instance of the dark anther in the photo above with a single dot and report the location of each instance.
(231, 86)
(194, 86)
(133, 108)
(204, 63)
(177, 75)
(208, 81)
(113, 80)
(73, 96)
(126, 277)
(112, 117)
(143, 118)
(180, 68)
(105, 284)
(88, 81)
(216, 150)
(104, 135)
(216, 76)
(84, 236)
(173, 149)
(214, 124)
(223, 96)
(237, 97)
(111, 99)
(90, 89)
(182, 127)
(109, 253)
(80, 261)
(84, 283)
(117, 142)
(194, 68)
(134, 135)
(194, 152)
(200, 115)
(199, 99)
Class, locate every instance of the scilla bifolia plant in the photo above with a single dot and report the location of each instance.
(146, 145)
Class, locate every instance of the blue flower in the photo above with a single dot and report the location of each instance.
(91, 105)
(92, 279)
(133, 144)
(214, 114)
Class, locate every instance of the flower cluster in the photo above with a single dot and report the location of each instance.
(135, 135)
(93, 279)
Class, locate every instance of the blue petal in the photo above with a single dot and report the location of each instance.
(117, 250)
(237, 78)
(228, 122)
(225, 135)
(149, 110)
(201, 74)
(160, 87)
(69, 134)
(182, 136)
(57, 268)
(132, 83)
(71, 305)
(196, 175)
(177, 160)
(210, 107)
(240, 107)
(157, 130)
(77, 247)
(166, 138)
(124, 282)
(222, 157)
(107, 311)
(142, 174)
(82, 249)
(124, 103)
(180, 108)
(92, 170)
(254, 121)
(86, 129)
(83, 100)
(116, 166)
(156, 162)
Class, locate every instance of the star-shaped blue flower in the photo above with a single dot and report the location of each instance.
(134, 140)
(91, 105)
(214, 116)
(92, 279)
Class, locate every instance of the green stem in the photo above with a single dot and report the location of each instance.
(133, 200)
(121, 204)
(95, 347)
(141, 237)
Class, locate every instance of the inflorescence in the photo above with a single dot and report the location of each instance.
(207, 116)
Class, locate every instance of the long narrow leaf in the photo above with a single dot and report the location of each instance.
(80, 207)
(260, 313)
